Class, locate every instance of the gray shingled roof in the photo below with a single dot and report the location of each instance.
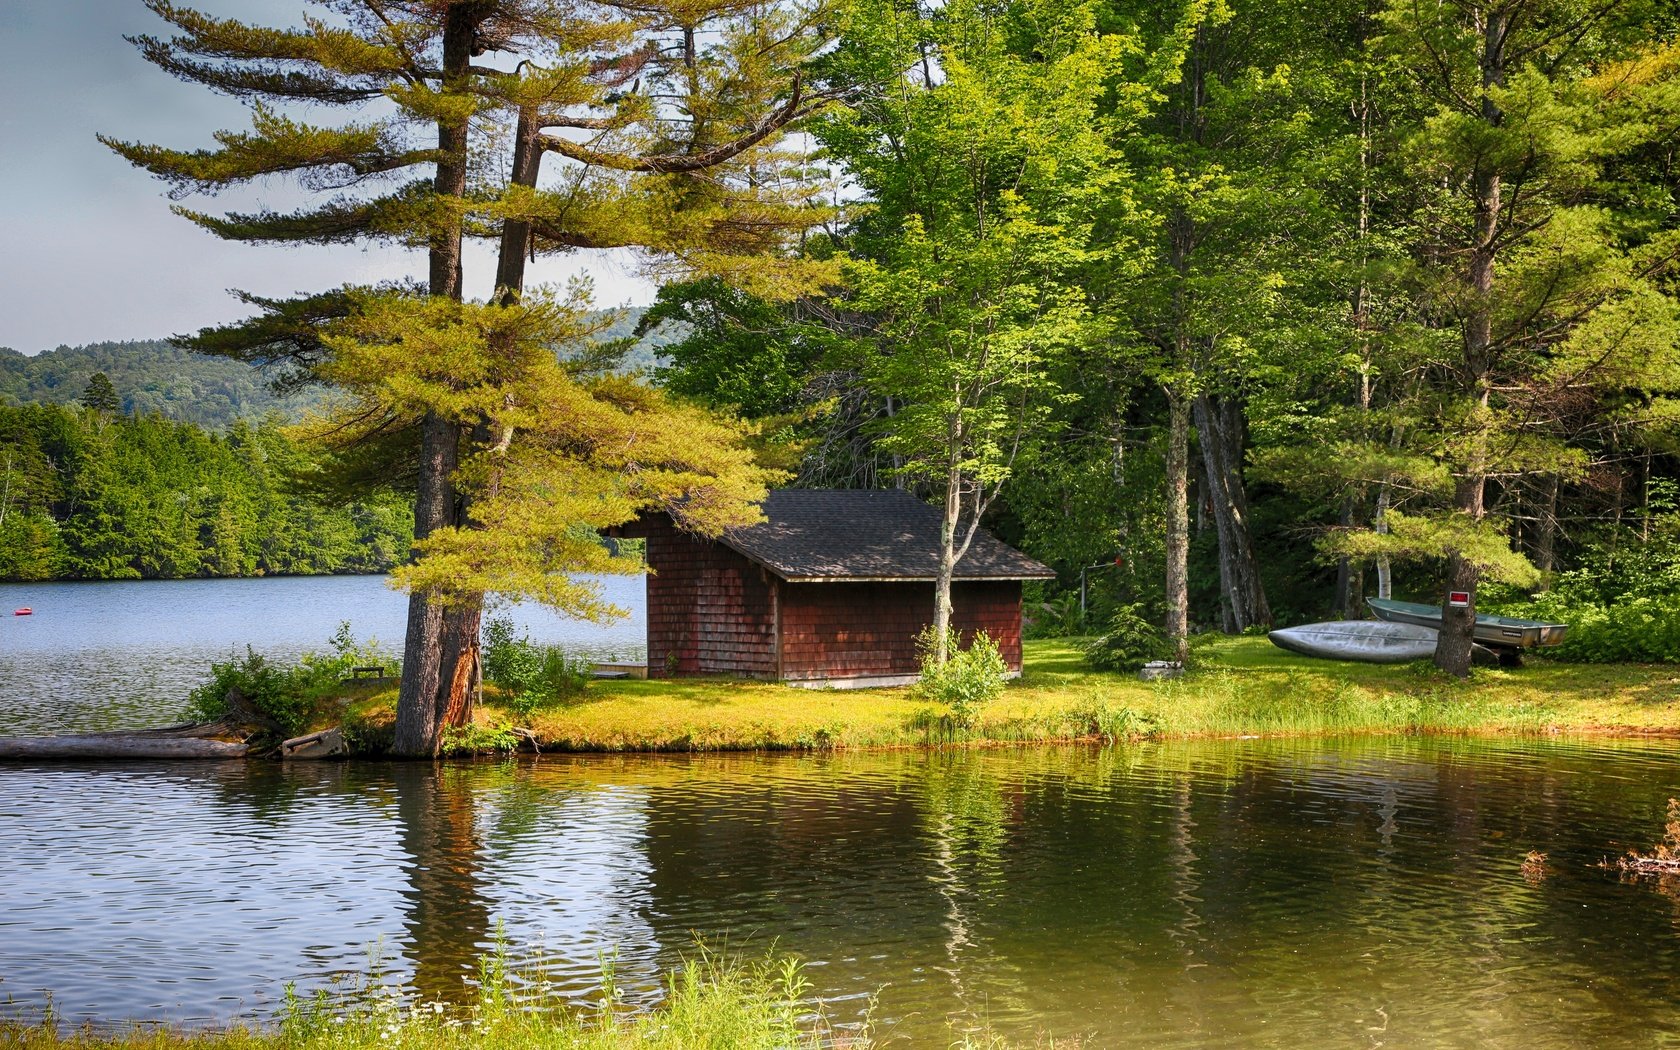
(849, 534)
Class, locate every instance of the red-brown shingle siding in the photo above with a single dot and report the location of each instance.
(842, 630)
(710, 611)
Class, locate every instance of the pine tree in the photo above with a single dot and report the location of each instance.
(667, 118)
(100, 395)
(1542, 267)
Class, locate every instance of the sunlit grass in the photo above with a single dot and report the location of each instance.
(710, 1004)
(1239, 687)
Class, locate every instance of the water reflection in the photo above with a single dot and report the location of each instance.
(1234, 894)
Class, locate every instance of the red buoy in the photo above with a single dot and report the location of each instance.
(25, 611)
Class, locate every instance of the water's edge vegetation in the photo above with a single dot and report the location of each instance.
(1236, 687)
(709, 1001)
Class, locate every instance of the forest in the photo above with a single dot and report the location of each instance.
(1231, 310)
(91, 494)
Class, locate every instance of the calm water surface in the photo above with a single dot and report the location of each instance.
(1238, 894)
(1353, 893)
(117, 655)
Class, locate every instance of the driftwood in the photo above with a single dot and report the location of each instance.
(185, 740)
(328, 743)
(1641, 864)
(165, 743)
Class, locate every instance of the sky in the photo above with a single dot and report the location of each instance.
(89, 250)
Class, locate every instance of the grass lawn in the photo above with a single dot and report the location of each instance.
(1242, 686)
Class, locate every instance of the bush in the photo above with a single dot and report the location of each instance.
(1635, 630)
(475, 739)
(1130, 642)
(534, 675)
(1058, 617)
(287, 696)
(968, 680)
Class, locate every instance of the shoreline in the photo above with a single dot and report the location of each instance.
(1242, 688)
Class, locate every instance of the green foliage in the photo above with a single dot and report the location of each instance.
(968, 680)
(575, 451)
(1637, 630)
(1483, 544)
(1057, 617)
(289, 696)
(1100, 718)
(475, 739)
(535, 676)
(100, 395)
(147, 377)
(83, 496)
(1621, 600)
(1130, 642)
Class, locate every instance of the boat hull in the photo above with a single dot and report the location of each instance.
(1496, 632)
(1363, 641)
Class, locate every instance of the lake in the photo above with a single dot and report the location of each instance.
(1256, 893)
(123, 654)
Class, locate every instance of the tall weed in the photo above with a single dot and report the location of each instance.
(535, 676)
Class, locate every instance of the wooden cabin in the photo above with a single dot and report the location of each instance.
(831, 590)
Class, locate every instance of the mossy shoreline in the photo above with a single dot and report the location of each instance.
(1240, 687)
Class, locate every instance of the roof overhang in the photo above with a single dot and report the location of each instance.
(907, 579)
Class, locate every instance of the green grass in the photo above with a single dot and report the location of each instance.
(1241, 687)
(709, 1004)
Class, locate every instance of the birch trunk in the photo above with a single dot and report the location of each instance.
(1178, 524)
(949, 517)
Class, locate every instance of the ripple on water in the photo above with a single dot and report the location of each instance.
(124, 654)
(1265, 893)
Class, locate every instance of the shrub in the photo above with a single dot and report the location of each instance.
(475, 739)
(1130, 642)
(1634, 630)
(968, 680)
(1058, 617)
(289, 697)
(534, 675)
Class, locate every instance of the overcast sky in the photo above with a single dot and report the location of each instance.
(89, 250)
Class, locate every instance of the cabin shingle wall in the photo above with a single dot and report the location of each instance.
(709, 610)
(856, 630)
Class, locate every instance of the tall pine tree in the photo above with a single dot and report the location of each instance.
(668, 115)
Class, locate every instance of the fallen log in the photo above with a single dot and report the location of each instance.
(117, 745)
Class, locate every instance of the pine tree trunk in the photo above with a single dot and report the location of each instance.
(1219, 428)
(1452, 653)
(437, 638)
(1178, 524)
(1545, 543)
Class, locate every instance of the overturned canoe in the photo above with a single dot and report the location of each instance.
(1498, 632)
(1366, 641)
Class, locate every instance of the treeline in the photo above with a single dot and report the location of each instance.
(95, 495)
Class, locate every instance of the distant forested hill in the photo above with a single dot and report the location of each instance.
(153, 377)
